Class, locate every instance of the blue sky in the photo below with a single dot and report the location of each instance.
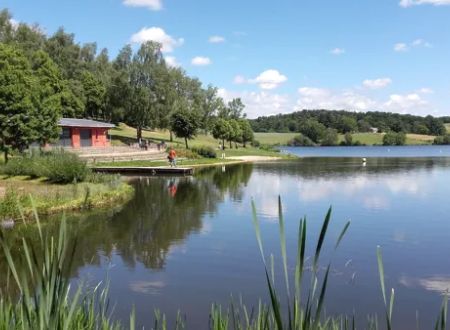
(279, 56)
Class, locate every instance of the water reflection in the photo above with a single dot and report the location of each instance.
(178, 238)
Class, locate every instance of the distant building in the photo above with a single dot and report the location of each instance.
(374, 130)
(80, 133)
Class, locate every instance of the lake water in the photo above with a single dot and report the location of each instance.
(183, 243)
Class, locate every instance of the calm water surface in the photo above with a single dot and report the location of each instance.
(183, 243)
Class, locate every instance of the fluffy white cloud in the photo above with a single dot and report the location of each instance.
(159, 35)
(150, 4)
(409, 3)
(201, 61)
(260, 103)
(354, 100)
(216, 39)
(337, 51)
(403, 47)
(269, 79)
(405, 103)
(377, 83)
(172, 61)
(320, 98)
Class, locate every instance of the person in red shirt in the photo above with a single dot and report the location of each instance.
(172, 157)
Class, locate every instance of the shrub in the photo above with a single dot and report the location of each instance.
(57, 166)
(301, 141)
(9, 205)
(206, 152)
(256, 143)
(442, 140)
(330, 138)
(394, 139)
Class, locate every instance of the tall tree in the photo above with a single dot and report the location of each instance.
(222, 130)
(147, 72)
(94, 93)
(17, 85)
(48, 94)
(247, 132)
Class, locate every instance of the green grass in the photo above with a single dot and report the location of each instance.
(274, 138)
(52, 198)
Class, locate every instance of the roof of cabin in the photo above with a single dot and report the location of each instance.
(74, 122)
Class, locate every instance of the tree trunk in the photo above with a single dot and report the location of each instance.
(185, 141)
(171, 136)
(6, 155)
(139, 134)
(223, 144)
(231, 146)
(244, 144)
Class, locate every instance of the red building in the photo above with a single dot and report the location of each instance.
(80, 133)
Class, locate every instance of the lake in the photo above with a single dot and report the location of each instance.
(183, 243)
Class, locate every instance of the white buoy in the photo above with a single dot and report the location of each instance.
(364, 160)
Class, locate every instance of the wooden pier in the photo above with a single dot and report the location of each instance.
(162, 170)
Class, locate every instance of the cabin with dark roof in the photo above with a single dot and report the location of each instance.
(80, 133)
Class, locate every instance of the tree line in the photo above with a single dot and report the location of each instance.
(343, 122)
(44, 78)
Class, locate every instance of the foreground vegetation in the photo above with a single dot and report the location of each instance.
(57, 181)
(40, 296)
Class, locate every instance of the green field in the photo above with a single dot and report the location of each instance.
(447, 126)
(125, 134)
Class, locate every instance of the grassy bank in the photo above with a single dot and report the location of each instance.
(52, 198)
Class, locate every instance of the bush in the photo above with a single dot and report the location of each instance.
(9, 205)
(256, 143)
(301, 141)
(56, 166)
(442, 140)
(206, 152)
(331, 137)
(394, 139)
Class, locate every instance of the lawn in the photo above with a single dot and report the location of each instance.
(447, 126)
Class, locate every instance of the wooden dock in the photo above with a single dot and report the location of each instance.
(162, 170)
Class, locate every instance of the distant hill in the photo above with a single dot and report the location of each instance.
(347, 121)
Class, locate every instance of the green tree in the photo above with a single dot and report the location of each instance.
(348, 139)
(48, 94)
(247, 131)
(94, 93)
(185, 125)
(330, 138)
(394, 139)
(236, 132)
(147, 74)
(347, 124)
(17, 100)
(313, 129)
(221, 130)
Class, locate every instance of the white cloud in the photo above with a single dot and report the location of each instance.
(260, 103)
(150, 4)
(216, 39)
(377, 83)
(172, 61)
(410, 3)
(401, 47)
(239, 80)
(354, 100)
(320, 98)
(406, 103)
(269, 79)
(14, 23)
(159, 35)
(425, 90)
(337, 51)
(201, 61)
(417, 43)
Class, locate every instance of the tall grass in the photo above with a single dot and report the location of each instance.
(46, 300)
